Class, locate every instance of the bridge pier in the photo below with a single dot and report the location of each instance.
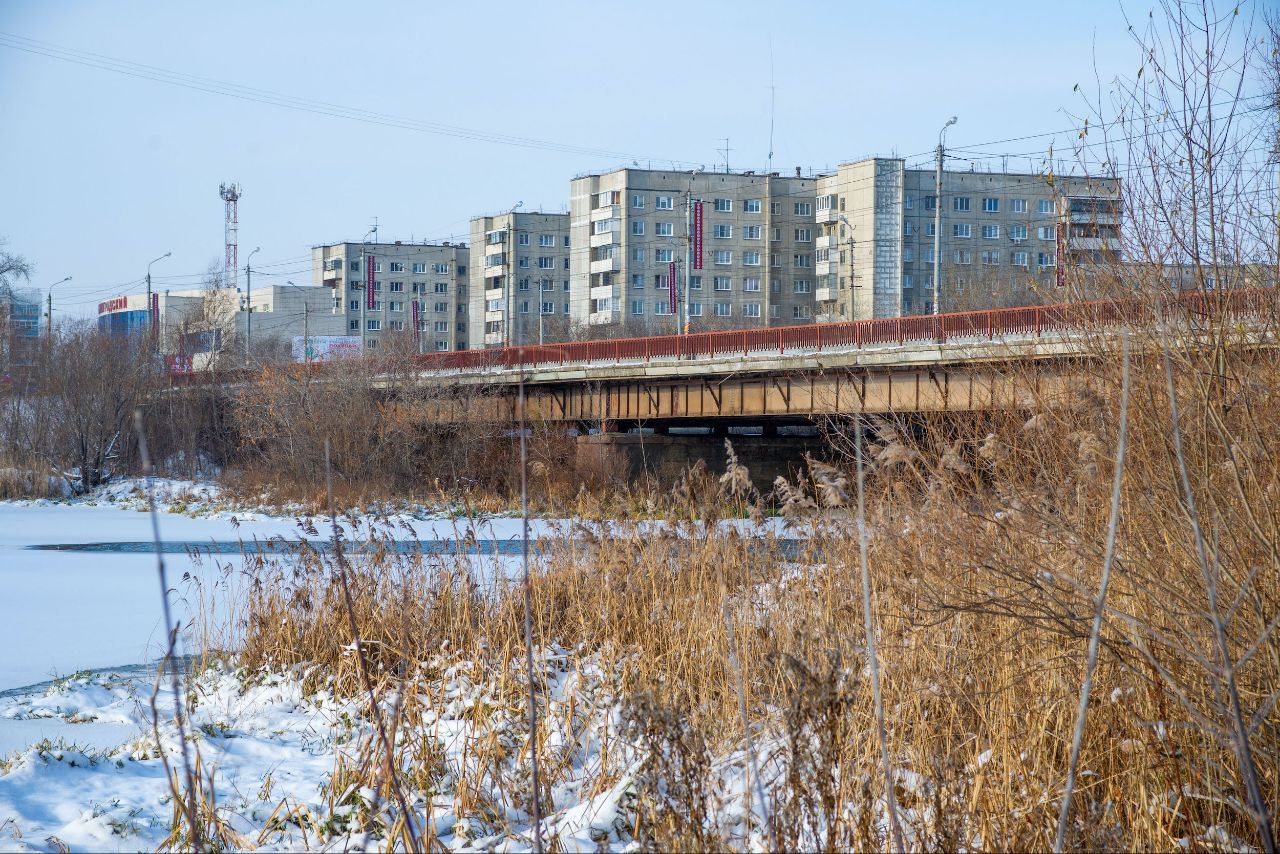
(665, 456)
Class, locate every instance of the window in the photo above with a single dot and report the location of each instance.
(604, 226)
(775, 259)
(801, 260)
(566, 241)
(637, 281)
(548, 308)
(524, 307)
(721, 230)
(1046, 232)
(566, 263)
(396, 287)
(522, 239)
(637, 306)
(800, 286)
(419, 267)
(827, 202)
(1044, 206)
(440, 288)
(546, 240)
(926, 255)
(803, 208)
(355, 266)
(1045, 260)
(441, 326)
(493, 305)
(723, 256)
(354, 326)
(908, 228)
(564, 286)
(929, 230)
(990, 258)
(908, 202)
(396, 305)
(990, 232)
(357, 285)
(723, 205)
(963, 256)
(637, 201)
(804, 235)
(722, 309)
(397, 266)
(775, 208)
(930, 202)
(751, 283)
(906, 280)
(825, 255)
(800, 312)
(664, 256)
(777, 234)
(663, 229)
(546, 262)
(637, 227)
(494, 238)
(751, 232)
(1017, 233)
(662, 307)
(960, 203)
(695, 309)
(395, 325)
(354, 305)
(961, 229)
(991, 205)
(444, 345)
(443, 268)
(663, 203)
(751, 258)
(751, 309)
(721, 283)
(908, 254)
(523, 284)
(751, 206)
(1018, 205)
(660, 281)
(695, 283)
(373, 325)
(637, 254)
(441, 307)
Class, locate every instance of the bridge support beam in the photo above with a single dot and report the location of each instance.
(665, 457)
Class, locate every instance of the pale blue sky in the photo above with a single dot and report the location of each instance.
(103, 172)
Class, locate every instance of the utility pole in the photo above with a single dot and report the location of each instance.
(688, 238)
(248, 305)
(937, 219)
(151, 320)
(364, 295)
(48, 327)
(510, 324)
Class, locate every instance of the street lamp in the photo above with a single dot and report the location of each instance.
(937, 218)
(151, 317)
(248, 303)
(49, 309)
(306, 324)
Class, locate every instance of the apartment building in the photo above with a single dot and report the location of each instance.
(519, 278)
(19, 327)
(431, 275)
(630, 225)
(1004, 236)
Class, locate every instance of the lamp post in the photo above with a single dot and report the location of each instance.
(248, 305)
(511, 276)
(937, 218)
(49, 308)
(151, 318)
(306, 325)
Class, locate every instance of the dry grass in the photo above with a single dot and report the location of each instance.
(987, 539)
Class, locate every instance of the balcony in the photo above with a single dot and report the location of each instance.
(826, 268)
(605, 265)
(490, 316)
(605, 238)
(829, 215)
(598, 318)
(824, 294)
(827, 241)
(493, 339)
(331, 275)
(605, 212)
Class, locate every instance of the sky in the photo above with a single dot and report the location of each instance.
(105, 171)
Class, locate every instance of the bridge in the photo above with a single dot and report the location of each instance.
(963, 361)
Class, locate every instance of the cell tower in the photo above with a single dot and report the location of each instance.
(231, 194)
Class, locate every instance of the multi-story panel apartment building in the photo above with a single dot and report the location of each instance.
(1003, 237)
(519, 278)
(432, 274)
(629, 225)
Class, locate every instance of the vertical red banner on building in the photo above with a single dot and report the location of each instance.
(1060, 262)
(369, 263)
(417, 323)
(153, 312)
(671, 281)
(697, 235)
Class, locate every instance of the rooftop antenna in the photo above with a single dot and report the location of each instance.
(725, 151)
(772, 93)
(230, 194)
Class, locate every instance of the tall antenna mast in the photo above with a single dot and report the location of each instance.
(230, 194)
(772, 93)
